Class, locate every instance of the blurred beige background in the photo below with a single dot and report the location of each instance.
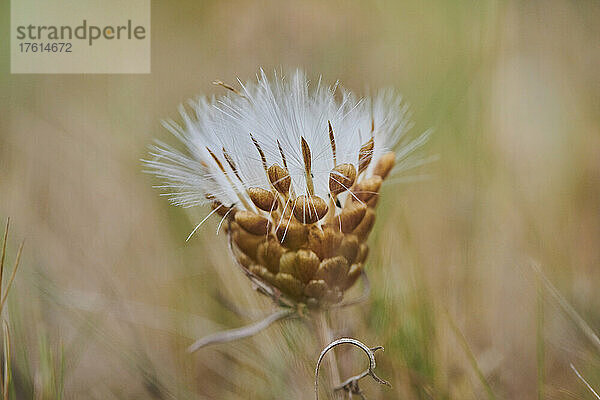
(110, 294)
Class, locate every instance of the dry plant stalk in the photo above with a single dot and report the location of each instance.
(6, 375)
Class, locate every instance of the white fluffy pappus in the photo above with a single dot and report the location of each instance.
(230, 141)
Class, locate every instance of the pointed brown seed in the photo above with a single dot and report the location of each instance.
(269, 254)
(349, 248)
(310, 209)
(263, 199)
(385, 165)
(333, 271)
(351, 216)
(364, 228)
(295, 236)
(365, 154)
(216, 160)
(288, 284)
(263, 159)
(280, 178)
(306, 154)
(341, 178)
(307, 165)
(228, 87)
(253, 223)
(307, 264)
(332, 142)
(316, 289)
(367, 188)
(282, 155)
(241, 197)
(232, 164)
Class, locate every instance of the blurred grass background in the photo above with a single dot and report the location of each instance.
(110, 294)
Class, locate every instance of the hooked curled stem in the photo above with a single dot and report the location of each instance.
(350, 385)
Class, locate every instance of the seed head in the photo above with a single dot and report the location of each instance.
(294, 170)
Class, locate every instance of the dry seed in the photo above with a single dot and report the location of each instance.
(310, 209)
(263, 199)
(341, 178)
(280, 178)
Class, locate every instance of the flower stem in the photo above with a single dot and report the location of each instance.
(326, 337)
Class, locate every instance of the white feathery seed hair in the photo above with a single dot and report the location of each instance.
(230, 141)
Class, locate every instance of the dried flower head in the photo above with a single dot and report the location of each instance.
(295, 171)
